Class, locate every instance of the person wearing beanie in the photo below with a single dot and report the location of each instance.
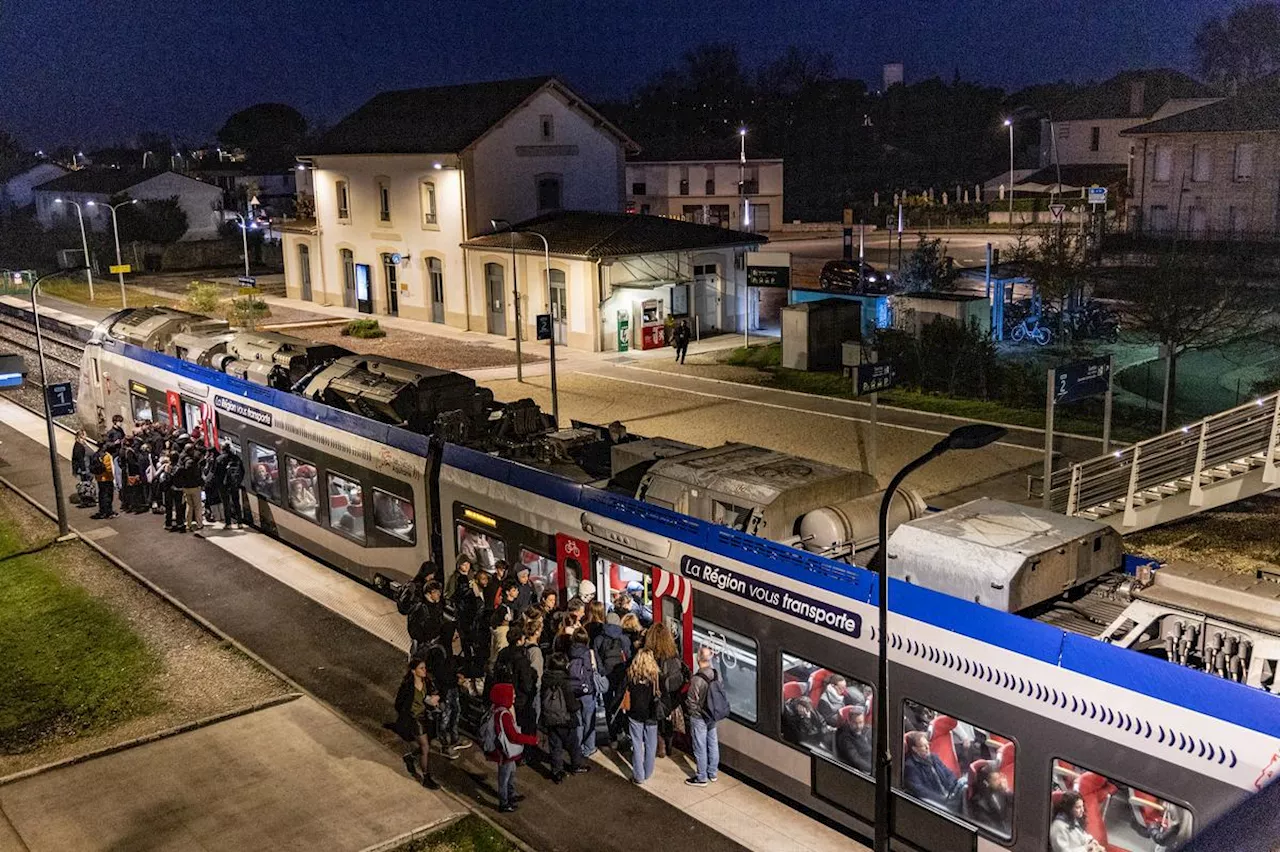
(511, 743)
(587, 591)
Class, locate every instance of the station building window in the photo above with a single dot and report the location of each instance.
(1090, 810)
(482, 548)
(958, 768)
(393, 515)
(826, 712)
(735, 660)
(264, 472)
(304, 487)
(346, 506)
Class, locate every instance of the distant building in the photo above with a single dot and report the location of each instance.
(700, 183)
(17, 185)
(892, 75)
(276, 186)
(202, 202)
(1211, 172)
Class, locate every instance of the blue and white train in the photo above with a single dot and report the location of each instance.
(1129, 752)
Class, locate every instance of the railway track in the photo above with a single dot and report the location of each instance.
(62, 364)
(56, 349)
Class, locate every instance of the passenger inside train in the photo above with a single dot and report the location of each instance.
(826, 712)
(1093, 813)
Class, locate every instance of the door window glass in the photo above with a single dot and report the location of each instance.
(141, 408)
(959, 768)
(304, 487)
(346, 506)
(735, 661)
(191, 411)
(826, 712)
(542, 571)
(623, 575)
(483, 549)
(1090, 807)
(265, 472)
(393, 515)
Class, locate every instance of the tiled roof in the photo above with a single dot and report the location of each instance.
(1111, 99)
(577, 233)
(96, 181)
(1243, 113)
(436, 120)
(1078, 174)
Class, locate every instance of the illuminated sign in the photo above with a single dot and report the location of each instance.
(239, 409)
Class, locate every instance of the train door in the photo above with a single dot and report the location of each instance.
(673, 606)
(173, 405)
(571, 553)
(616, 573)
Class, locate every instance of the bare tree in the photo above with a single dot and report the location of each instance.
(1243, 47)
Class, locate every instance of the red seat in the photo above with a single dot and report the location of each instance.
(972, 776)
(817, 682)
(1095, 790)
(846, 712)
(941, 744)
(1056, 797)
(1150, 816)
(792, 689)
(1005, 758)
(337, 501)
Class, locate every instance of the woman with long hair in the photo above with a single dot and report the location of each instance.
(642, 703)
(1068, 831)
(673, 674)
(416, 698)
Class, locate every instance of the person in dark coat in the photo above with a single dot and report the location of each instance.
(442, 665)
(562, 735)
(515, 659)
(426, 619)
(801, 725)
(987, 800)
(853, 740)
(525, 596)
(644, 711)
(924, 775)
(680, 338)
(415, 699)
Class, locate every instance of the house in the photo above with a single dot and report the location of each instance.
(1211, 172)
(276, 185)
(708, 182)
(17, 184)
(202, 202)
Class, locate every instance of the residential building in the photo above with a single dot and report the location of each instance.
(17, 185)
(202, 202)
(276, 186)
(1212, 172)
(700, 183)
(408, 177)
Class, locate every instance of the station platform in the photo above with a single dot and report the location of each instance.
(346, 645)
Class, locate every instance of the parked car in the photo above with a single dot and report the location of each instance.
(852, 276)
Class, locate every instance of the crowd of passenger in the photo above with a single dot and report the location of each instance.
(560, 679)
(156, 468)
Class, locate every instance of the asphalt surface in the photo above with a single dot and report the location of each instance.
(357, 674)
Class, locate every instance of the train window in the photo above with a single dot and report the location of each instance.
(304, 487)
(729, 515)
(346, 506)
(959, 768)
(264, 472)
(393, 515)
(191, 411)
(1092, 811)
(735, 660)
(826, 712)
(542, 571)
(228, 438)
(141, 408)
(483, 549)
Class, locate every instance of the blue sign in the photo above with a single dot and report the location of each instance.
(61, 399)
(1097, 195)
(1081, 380)
(544, 326)
(873, 378)
(12, 369)
(782, 600)
(247, 281)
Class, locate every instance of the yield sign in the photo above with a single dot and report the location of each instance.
(1056, 210)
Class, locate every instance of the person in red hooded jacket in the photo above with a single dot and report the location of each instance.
(503, 697)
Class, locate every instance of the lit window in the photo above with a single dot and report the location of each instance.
(542, 570)
(429, 203)
(264, 472)
(344, 199)
(1089, 807)
(304, 487)
(735, 661)
(483, 549)
(393, 515)
(826, 712)
(346, 506)
(141, 408)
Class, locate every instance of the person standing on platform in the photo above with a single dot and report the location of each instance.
(680, 337)
(508, 744)
(642, 705)
(102, 467)
(415, 700)
(229, 474)
(705, 704)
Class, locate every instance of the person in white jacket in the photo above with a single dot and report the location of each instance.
(1067, 832)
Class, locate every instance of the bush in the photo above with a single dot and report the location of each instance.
(247, 310)
(364, 328)
(203, 297)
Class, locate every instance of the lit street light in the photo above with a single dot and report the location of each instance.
(515, 290)
(244, 240)
(115, 229)
(88, 270)
(1008, 122)
(970, 437)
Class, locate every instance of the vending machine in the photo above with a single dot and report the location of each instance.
(651, 318)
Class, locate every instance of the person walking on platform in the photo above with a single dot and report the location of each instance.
(504, 744)
(559, 719)
(642, 705)
(705, 704)
(415, 700)
(229, 476)
(680, 337)
(442, 665)
(86, 488)
(102, 468)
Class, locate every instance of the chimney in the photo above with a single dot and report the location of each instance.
(1137, 88)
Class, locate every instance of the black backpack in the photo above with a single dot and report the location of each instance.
(97, 463)
(555, 708)
(612, 654)
(674, 675)
(234, 474)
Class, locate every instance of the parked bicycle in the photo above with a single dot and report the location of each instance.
(1031, 329)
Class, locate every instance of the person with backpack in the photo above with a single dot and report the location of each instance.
(229, 476)
(673, 677)
(642, 705)
(443, 667)
(613, 653)
(705, 704)
(559, 719)
(212, 490)
(102, 468)
(514, 667)
(415, 700)
(503, 743)
(582, 681)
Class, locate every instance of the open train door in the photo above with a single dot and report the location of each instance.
(571, 559)
(673, 605)
(173, 404)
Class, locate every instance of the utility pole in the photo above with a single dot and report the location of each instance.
(515, 293)
(58, 500)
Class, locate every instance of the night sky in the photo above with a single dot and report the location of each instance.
(99, 71)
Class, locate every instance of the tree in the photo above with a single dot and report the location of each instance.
(265, 129)
(928, 267)
(155, 221)
(1189, 302)
(11, 153)
(1242, 48)
(1056, 262)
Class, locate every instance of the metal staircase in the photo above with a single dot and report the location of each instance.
(1225, 457)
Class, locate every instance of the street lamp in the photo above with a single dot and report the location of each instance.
(115, 229)
(1008, 122)
(88, 270)
(244, 240)
(515, 291)
(970, 437)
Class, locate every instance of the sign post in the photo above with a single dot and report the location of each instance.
(1068, 383)
(868, 380)
(1048, 439)
(546, 331)
(765, 269)
(61, 400)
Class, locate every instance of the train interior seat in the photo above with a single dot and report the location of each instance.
(1006, 761)
(1096, 791)
(971, 775)
(1055, 798)
(942, 744)
(792, 689)
(846, 712)
(817, 681)
(1150, 815)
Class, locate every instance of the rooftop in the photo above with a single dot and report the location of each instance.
(1113, 98)
(437, 120)
(97, 181)
(1242, 113)
(578, 233)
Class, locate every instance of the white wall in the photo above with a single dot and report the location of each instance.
(662, 188)
(504, 164)
(200, 201)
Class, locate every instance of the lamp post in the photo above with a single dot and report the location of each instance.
(1008, 122)
(970, 437)
(115, 229)
(515, 291)
(48, 413)
(244, 241)
(84, 242)
(746, 225)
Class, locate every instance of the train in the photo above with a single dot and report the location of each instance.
(348, 459)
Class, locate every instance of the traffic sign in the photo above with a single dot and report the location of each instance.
(544, 326)
(1056, 210)
(247, 281)
(12, 370)
(1081, 379)
(1097, 195)
(119, 268)
(873, 378)
(61, 400)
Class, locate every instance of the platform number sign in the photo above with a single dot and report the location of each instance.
(544, 326)
(873, 378)
(1080, 380)
(61, 400)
